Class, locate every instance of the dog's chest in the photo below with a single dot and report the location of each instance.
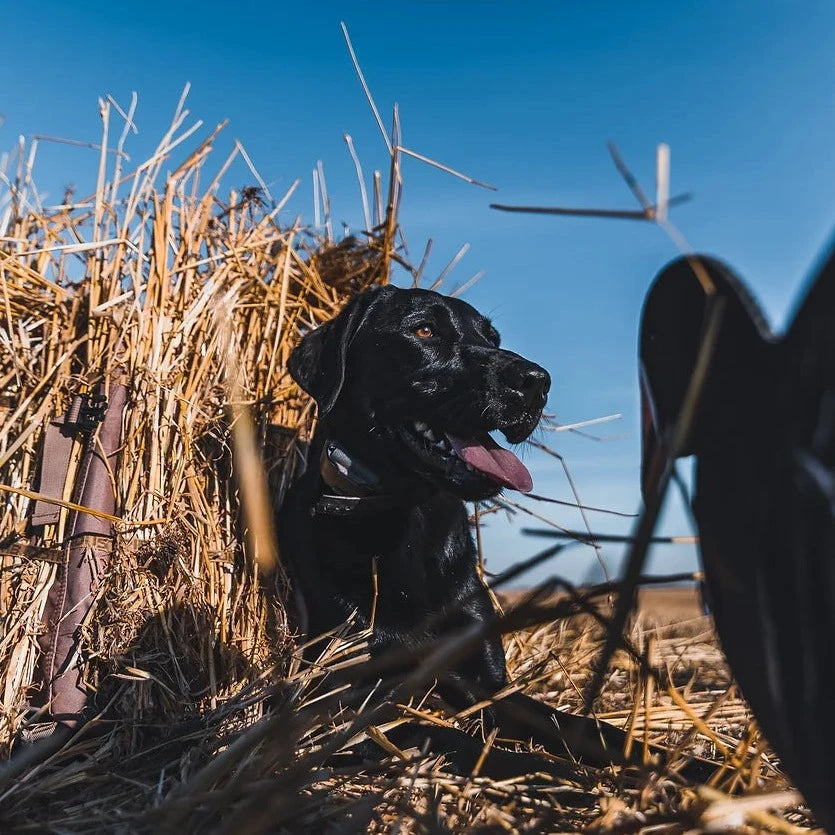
(404, 568)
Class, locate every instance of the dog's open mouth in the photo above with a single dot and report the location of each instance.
(479, 454)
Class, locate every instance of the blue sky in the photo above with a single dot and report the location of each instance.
(523, 96)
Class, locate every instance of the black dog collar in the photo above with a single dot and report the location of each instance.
(356, 488)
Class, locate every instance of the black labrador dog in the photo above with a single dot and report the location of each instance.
(409, 384)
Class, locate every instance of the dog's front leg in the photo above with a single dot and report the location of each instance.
(581, 738)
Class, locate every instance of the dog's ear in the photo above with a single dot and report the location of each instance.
(318, 362)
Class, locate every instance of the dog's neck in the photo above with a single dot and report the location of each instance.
(350, 488)
(345, 474)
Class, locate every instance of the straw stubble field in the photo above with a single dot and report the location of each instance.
(204, 719)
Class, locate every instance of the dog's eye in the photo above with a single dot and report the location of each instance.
(424, 331)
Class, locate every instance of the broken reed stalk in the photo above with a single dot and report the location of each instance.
(660, 473)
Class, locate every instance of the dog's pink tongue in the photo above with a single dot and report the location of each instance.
(493, 460)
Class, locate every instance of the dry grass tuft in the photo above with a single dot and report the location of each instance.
(154, 280)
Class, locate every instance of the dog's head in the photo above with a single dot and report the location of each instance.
(412, 383)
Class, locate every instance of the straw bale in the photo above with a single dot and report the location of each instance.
(147, 281)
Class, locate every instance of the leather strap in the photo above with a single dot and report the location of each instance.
(85, 414)
(55, 462)
(94, 486)
(328, 505)
(85, 557)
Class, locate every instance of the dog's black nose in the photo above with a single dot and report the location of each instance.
(535, 383)
(531, 380)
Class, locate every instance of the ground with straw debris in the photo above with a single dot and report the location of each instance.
(205, 719)
(145, 775)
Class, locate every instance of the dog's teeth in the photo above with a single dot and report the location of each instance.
(428, 433)
(421, 426)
